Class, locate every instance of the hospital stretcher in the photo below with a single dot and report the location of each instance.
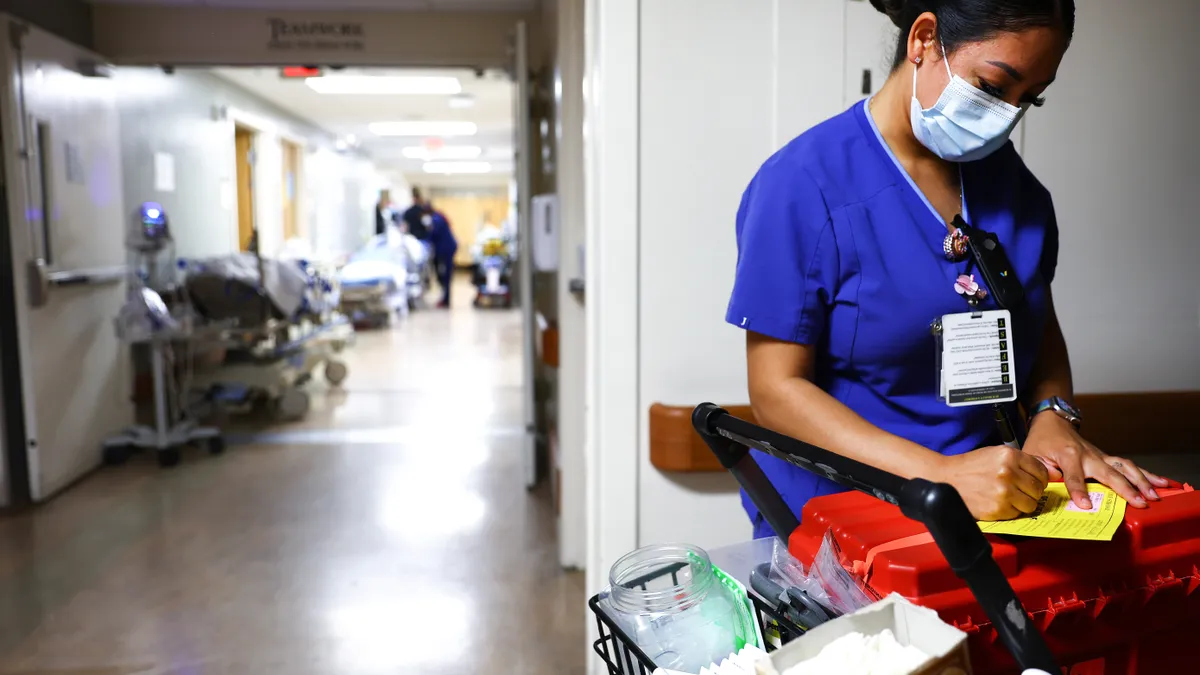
(277, 342)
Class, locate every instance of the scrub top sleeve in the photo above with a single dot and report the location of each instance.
(787, 259)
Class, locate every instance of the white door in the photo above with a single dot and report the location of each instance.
(521, 122)
(62, 164)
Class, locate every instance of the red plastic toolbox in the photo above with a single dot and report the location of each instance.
(1127, 606)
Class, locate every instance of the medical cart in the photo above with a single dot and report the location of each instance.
(1099, 608)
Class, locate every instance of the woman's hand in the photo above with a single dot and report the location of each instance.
(997, 483)
(1073, 460)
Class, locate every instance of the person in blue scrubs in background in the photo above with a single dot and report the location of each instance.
(445, 245)
(846, 257)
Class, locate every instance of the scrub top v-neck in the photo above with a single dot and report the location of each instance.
(838, 248)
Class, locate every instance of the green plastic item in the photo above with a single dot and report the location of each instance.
(748, 631)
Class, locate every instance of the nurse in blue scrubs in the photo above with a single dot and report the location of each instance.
(847, 254)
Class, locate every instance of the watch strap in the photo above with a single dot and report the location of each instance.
(1059, 407)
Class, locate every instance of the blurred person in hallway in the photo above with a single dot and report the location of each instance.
(383, 212)
(419, 216)
(445, 246)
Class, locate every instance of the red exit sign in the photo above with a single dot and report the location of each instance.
(301, 71)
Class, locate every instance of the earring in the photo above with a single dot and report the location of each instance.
(917, 61)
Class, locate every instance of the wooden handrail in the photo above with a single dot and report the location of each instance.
(1134, 424)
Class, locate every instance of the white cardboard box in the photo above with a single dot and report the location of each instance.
(912, 625)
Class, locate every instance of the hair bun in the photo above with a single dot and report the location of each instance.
(895, 9)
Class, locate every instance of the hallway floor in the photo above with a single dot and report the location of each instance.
(388, 533)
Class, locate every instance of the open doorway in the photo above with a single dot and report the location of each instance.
(399, 477)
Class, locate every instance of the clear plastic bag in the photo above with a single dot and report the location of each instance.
(785, 569)
(843, 592)
(789, 573)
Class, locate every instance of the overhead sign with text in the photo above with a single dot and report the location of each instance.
(155, 35)
(325, 36)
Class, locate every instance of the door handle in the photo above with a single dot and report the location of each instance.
(42, 278)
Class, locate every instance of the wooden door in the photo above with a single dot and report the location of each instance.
(244, 151)
(467, 211)
(291, 200)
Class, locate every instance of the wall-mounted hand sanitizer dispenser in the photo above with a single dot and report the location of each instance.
(545, 232)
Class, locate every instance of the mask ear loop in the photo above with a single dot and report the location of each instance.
(945, 60)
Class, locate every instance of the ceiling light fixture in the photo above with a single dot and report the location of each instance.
(444, 152)
(444, 129)
(373, 85)
(457, 167)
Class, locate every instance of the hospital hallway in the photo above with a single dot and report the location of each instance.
(389, 533)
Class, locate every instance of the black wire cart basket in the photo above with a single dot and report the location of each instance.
(937, 506)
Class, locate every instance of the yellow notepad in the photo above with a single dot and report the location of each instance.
(1057, 516)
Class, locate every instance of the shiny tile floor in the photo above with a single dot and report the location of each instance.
(388, 533)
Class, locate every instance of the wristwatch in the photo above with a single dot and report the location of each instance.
(1059, 406)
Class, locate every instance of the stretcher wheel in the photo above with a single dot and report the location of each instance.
(292, 405)
(116, 455)
(216, 445)
(336, 372)
(168, 457)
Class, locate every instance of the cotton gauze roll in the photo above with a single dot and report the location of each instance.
(858, 654)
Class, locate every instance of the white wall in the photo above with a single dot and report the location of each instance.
(690, 183)
(191, 116)
(1117, 146)
(679, 120)
(342, 191)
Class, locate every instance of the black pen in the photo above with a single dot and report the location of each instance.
(1007, 435)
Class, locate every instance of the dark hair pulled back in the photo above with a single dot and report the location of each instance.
(965, 21)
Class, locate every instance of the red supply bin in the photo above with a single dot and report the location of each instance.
(1129, 606)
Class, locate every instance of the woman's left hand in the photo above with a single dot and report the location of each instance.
(1073, 460)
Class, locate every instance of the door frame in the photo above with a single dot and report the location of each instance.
(523, 176)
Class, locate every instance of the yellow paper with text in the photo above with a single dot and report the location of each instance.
(1057, 516)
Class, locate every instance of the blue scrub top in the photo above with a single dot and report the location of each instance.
(442, 236)
(838, 248)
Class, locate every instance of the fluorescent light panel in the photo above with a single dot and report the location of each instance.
(457, 167)
(375, 85)
(443, 129)
(444, 152)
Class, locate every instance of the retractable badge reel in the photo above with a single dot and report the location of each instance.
(975, 355)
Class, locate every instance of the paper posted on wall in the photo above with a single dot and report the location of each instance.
(1058, 517)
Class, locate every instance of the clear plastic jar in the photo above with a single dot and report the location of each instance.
(668, 601)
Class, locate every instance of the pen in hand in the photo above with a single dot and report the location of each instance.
(1007, 435)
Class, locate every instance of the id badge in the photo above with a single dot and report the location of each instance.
(975, 357)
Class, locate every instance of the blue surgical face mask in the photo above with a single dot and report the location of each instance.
(965, 124)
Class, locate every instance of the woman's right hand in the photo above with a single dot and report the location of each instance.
(997, 483)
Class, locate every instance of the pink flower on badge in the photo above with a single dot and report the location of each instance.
(966, 285)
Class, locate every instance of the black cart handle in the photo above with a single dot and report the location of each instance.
(937, 506)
